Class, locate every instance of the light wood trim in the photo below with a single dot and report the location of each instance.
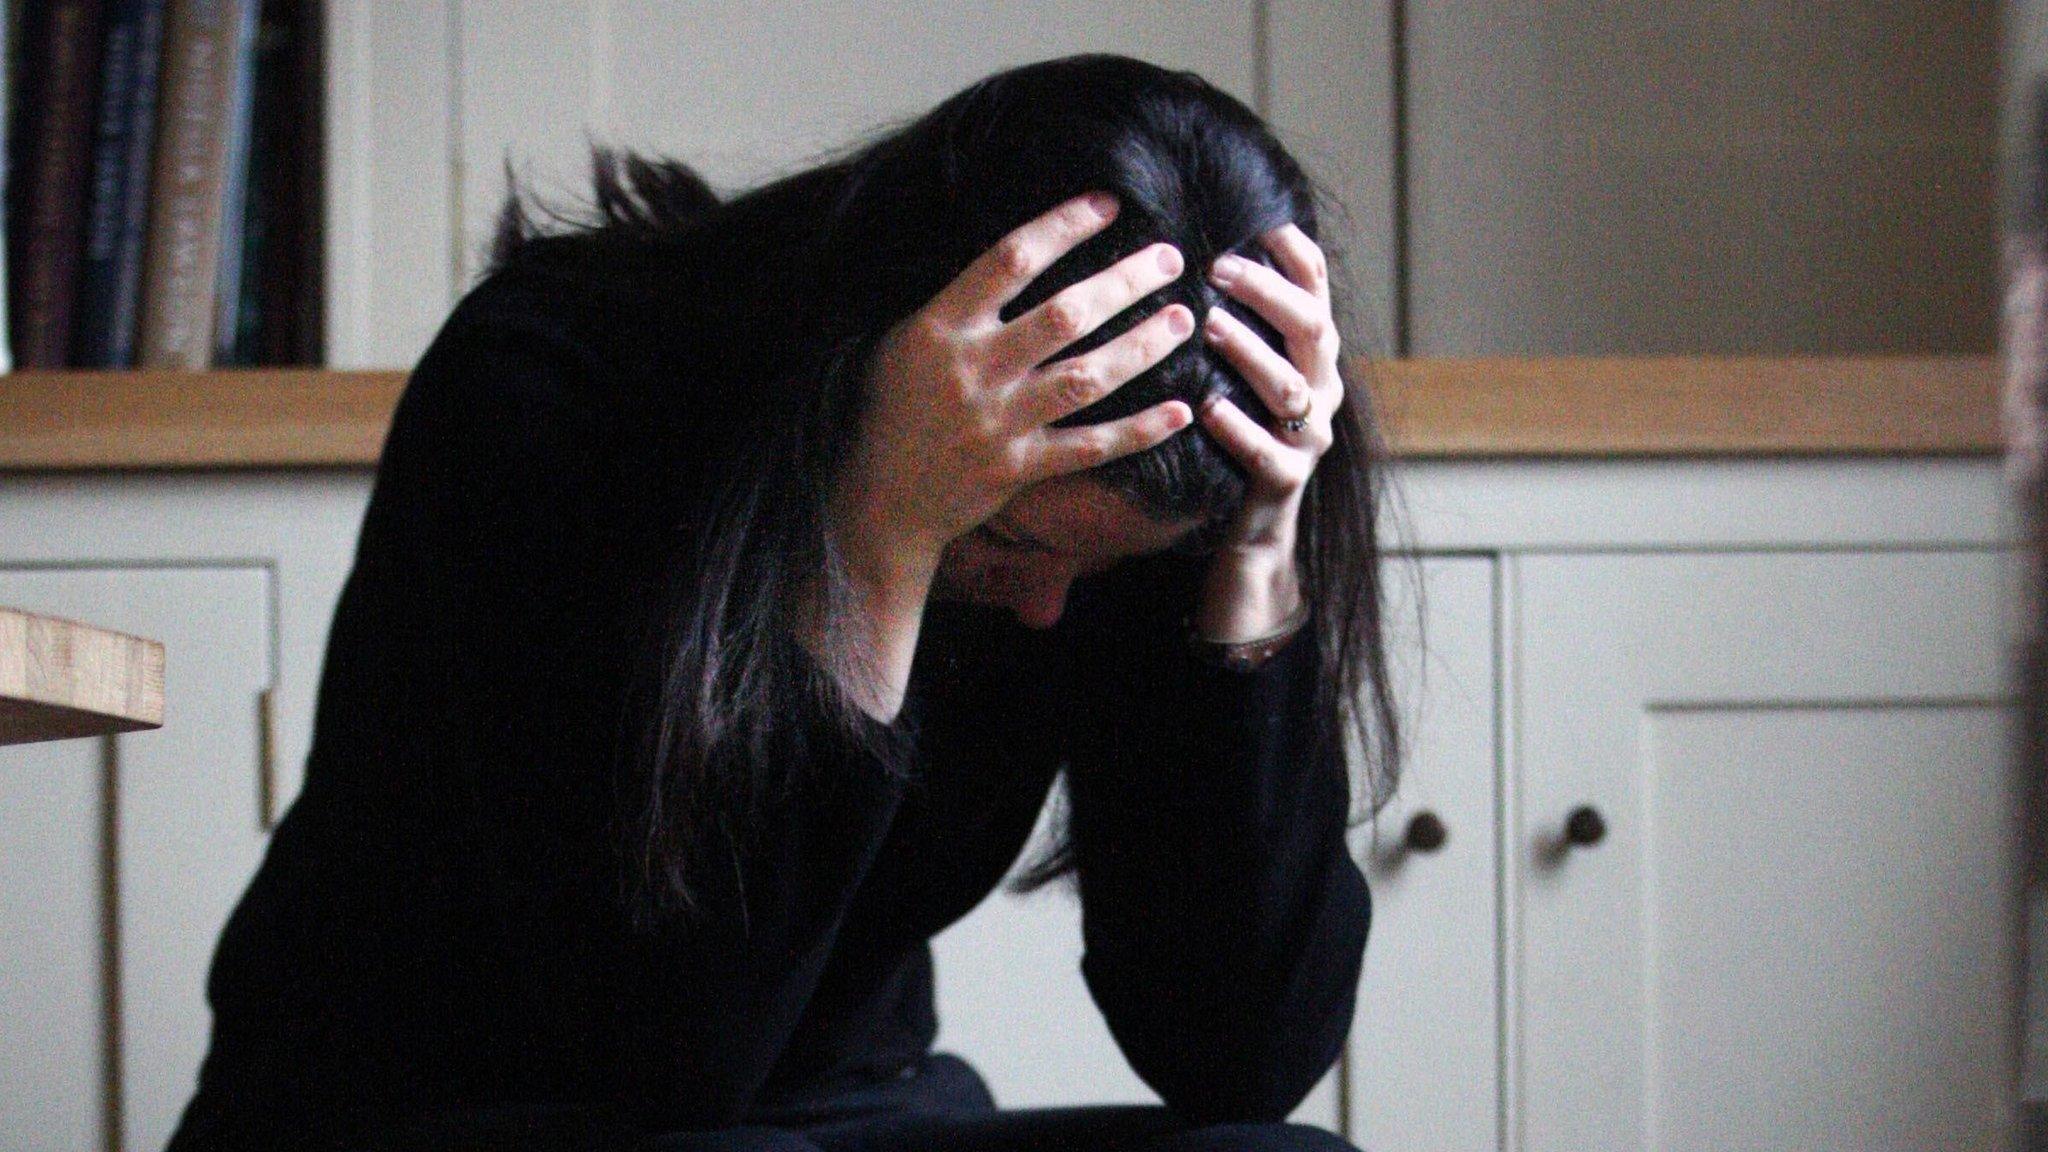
(1691, 406)
(1434, 408)
(247, 418)
(61, 678)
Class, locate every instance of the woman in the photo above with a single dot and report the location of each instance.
(737, 579)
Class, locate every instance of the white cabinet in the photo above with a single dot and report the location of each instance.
(1701, 176)
(1425, 1049)
(1782, 689)
(429, 101)
(1797, 928)
(1780, 684)
(121, 857)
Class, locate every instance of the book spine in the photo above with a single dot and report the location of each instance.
(10, 68)
(227, 296)
(181, 253)
(269, 152)
(112, 273)
(293, 268)
(64, 53)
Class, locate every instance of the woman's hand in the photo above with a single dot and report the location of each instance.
(959, 420)
(960, 410)
(1253, 586)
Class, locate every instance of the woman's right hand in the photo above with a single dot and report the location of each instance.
(960, 410)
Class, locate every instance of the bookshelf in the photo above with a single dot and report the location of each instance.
(1545, 407)
(165, 179)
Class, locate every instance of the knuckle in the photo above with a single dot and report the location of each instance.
(1065, 318)
(927, 331)
(1095, 445)
(1322, 335)
(1078, 385)
(1013, 460)
(1013, 257)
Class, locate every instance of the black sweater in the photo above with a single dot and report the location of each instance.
(437, 924)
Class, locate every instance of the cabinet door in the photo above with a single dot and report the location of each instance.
(1797, 929)
(747, 91)
(1425, 1049)
(120, 859)
(1699, 176)
(1011, 998)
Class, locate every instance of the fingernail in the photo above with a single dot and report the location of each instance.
(1179, 321)
(1212, 324)
(1103, 204)
(1170, 260)
(1225, 270)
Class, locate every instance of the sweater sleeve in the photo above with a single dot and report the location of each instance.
(516, 541)
(1223, 919)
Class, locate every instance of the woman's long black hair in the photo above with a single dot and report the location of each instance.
(821, 265)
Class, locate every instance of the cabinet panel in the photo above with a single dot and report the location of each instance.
(1841, 987)
(50, 943)
(1796, 930)
(1697, 176)
(1425, 1048)
(185, 837)
(747, 91)
(390, 183)
(1330, 100)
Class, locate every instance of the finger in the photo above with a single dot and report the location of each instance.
(1270, 462)
(1301, 318)
(1029, 340)
(996, 276)
(1278, 382)
(1065, 450)
(1300, 258)
(1069, 385)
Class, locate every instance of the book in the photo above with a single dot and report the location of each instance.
(110, 282)
(227, 288)
(52, 130)
(288, 325)
(203, 51)
(278, 309)
(10, 49)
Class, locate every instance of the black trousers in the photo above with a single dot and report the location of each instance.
(939, 1105)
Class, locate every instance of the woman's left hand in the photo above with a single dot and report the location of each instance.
(1253, 586)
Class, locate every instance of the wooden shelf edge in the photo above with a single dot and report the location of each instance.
(1690, 406)
(235, 418)
(1552, 407)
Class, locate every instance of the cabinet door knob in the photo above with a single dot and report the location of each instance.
(1426, 832)
(1584, 827)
